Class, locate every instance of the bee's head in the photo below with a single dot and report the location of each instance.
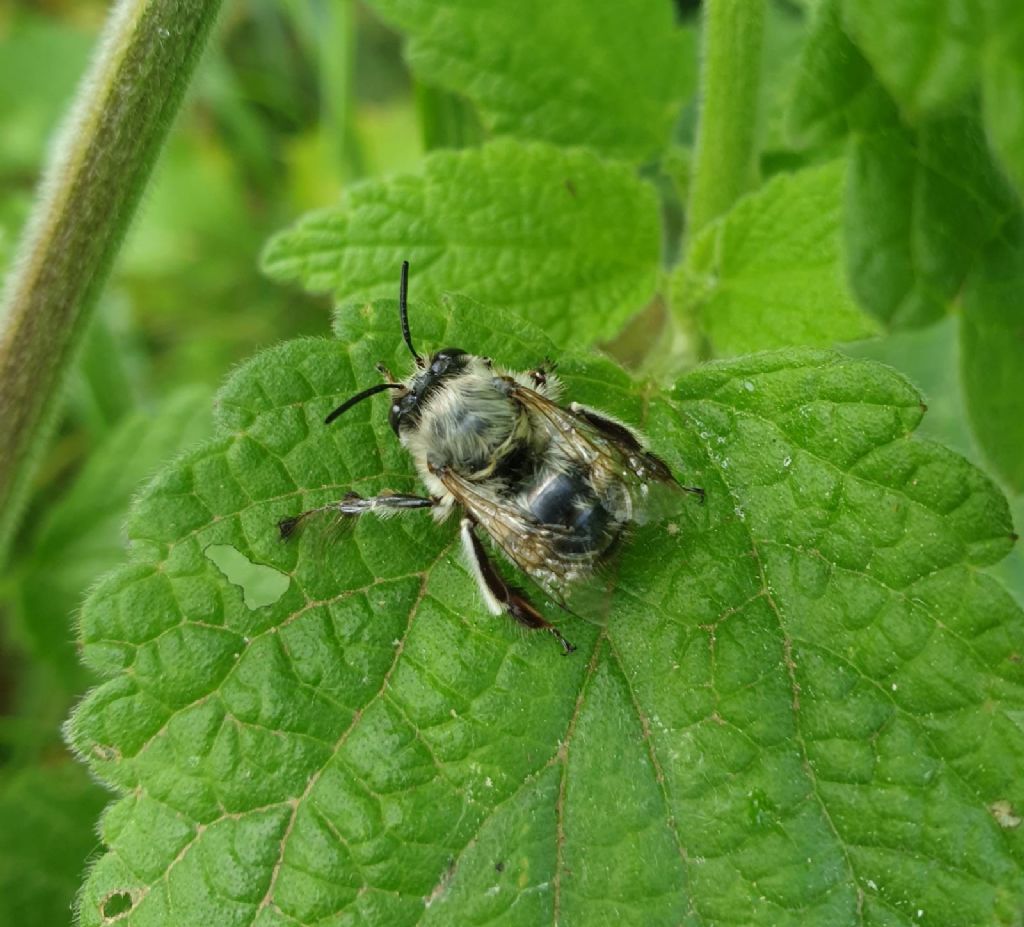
(445, 364)
(430, 375)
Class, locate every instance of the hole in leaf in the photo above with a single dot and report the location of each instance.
(261, 585)
(116, 904)
(1005, 814)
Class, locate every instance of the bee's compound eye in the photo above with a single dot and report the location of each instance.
(401, 407)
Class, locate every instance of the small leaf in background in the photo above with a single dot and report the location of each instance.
(920, 206)
(770, 273)
(49, 814)
(921, 200)
(110, 377)
(566, 239)
(82, 534)
(926, 53)
(601, 73)
(932, 56)
(992, 345)
(785, 30)
(835, 92)
(811, 673)
(1002, 87)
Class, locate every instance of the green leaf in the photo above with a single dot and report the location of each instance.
(1002, 84)
(926, 53)
(931, 56)
(601, 73)
(992, 347)
(931, 358)
(920, 206)
(81, 535)
(564, 238)
(107, 381)
(922, 201)
(803, 711)
(770, 273)
(836, 92)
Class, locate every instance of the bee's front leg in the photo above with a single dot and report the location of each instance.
(539, 375)
(354, 505)
(498, 594)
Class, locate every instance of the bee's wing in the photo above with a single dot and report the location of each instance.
(525, 541)
(613, 454)
(575, 583)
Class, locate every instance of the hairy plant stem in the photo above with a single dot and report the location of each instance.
(87, 198)
(725, 161)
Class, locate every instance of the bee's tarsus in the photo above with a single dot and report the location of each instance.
(288, 526)
(567, 646)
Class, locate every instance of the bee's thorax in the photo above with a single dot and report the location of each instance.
(467, 424)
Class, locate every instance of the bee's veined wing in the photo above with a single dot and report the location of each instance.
(573, 582)
(613, 454)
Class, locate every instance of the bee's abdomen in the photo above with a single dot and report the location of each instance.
(566, 499)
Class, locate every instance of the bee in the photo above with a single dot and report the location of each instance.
(555, 487)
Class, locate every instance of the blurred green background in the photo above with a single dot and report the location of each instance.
(294, 100)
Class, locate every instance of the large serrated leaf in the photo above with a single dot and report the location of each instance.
(804, 710)
(568, 240)
(602, 73)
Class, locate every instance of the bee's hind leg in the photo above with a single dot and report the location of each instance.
(499, 595)
(353, 505)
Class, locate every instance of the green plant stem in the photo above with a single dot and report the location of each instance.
(725, 162)
(337, 64)
(87, 198)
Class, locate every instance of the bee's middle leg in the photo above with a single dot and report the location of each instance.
(499, 595)
(354, 505)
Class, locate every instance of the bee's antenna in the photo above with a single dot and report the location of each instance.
(403, 311)
(359, 397)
